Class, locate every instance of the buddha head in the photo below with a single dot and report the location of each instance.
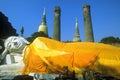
(15, 44)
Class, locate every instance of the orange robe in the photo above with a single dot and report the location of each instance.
(45, 55)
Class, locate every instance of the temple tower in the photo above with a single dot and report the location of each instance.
(56, 31)
(89, 37)
(76, 34)
(43, 26)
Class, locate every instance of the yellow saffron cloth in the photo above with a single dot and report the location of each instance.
(45, 55)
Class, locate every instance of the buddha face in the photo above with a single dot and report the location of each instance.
(15, 44)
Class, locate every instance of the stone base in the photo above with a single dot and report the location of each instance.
(23, 77)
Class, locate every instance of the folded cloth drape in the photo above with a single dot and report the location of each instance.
(45, 55)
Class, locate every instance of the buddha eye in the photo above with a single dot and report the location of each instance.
(14, 38)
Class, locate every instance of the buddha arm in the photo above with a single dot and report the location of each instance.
(2, 56)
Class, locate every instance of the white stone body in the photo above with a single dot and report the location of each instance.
(13, 61)
(12, 56)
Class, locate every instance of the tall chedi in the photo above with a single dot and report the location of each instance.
(57, 29)
(43, 26)
(76, 34)
(89, 37)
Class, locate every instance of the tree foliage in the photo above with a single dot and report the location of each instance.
(2, 45)
(110, 40)
(6, 29)
(35, 35)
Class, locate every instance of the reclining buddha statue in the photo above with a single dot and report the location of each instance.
(48, 56)
(11, 57)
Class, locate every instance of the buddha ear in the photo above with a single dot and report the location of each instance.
(27, 42)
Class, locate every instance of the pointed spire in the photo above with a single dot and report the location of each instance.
(44, 12)
(77, 23)
(76, 34)
(44, 17)
(43, 25)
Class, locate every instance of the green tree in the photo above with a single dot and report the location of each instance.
(35, 35)
(110, 39)
(6, 29)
